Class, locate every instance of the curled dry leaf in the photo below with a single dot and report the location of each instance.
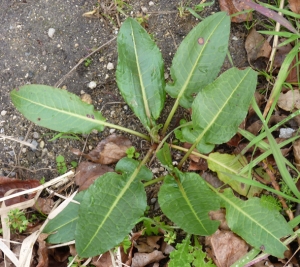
(295, 6)
(196, 163)
(143, 259)
(257, 47)
(281, 53)
(219, 215)
(108, 151)
(294, 72)
(234, 6)
(226, 248)
(88, 172)
(7, 184)
(290, 100)
(44, 205)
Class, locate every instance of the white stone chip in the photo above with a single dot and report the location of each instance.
(51, 32)
(92, 85)
(110, 66)
(3, 112)
(286, 132)
(151, 3)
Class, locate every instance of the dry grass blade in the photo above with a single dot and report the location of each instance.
(2, 136)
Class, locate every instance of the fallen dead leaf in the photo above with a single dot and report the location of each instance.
(196, 163)
(87, 172)
(294, 73)
(7, 184)
(296, 150)
(142, 259)
(257, 47)
(234, 6)
(226, 248)
(290, 100)
(295, 6)
(103, 261)
(281, 53)
(42, 251)
(108, 151)
(147, 244)
(219, 215)
(166, 248)
(44, 205)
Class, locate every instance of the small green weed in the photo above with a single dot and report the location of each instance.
(131, 153)
(61, 164)
(17, 221)
(88, 62)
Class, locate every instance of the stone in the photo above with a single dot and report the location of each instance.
(51, 32)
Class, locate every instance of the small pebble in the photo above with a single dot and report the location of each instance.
(110, 66)
(3, 112)
(94, 131)
(92, 85)
(51, 32)
(44, 152)
(234, 38)
(90, 147)
(151, 3)
(153, 200)
(76, 45)
(35, 144)
(166, 75)
(42, 144)
(286, 132)
(24, 149)
(155, 170)
(36, 135)
(82, 92)
(125, 107)
(111, 131)
(11, 153)
(86, 98)
(144, 9)
(106, 76)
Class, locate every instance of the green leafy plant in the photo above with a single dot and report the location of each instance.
(131, 153)
(17, 221)
(88, 62)
(219, 105)
(61, 164)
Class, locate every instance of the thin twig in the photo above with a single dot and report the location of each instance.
(275, 42)
(82, 60)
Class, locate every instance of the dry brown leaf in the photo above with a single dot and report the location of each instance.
(281, 53)
(296, 150)
(7, 184)
(196, 163)
(290, 100)
(147, 244)
(166, 248)
(108, 151)
(142, 259)
(88, 172)
(44, 205)
(256, 47)
(295, 6)
(255, 127)
(293, 74)
(226, 248)
(103, 261)
(92, 14)
(219, 215)
(42, 251)
(234, 6)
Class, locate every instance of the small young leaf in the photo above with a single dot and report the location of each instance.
(110, 208)
(199, 58)
(187, 200)
(140, 72)
(221, 106)
(56, 109)
(164, 156)
(267, 226)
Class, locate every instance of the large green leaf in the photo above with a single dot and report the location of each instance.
(259, 226)
(225, 165)
(220, 107)
(199, 58)
(140, 72)
(187, 200)
(110, 208)
(62, 227)
(56, 109)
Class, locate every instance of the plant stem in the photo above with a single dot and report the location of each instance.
(154, 181)
(167, 123)
(114, 126)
